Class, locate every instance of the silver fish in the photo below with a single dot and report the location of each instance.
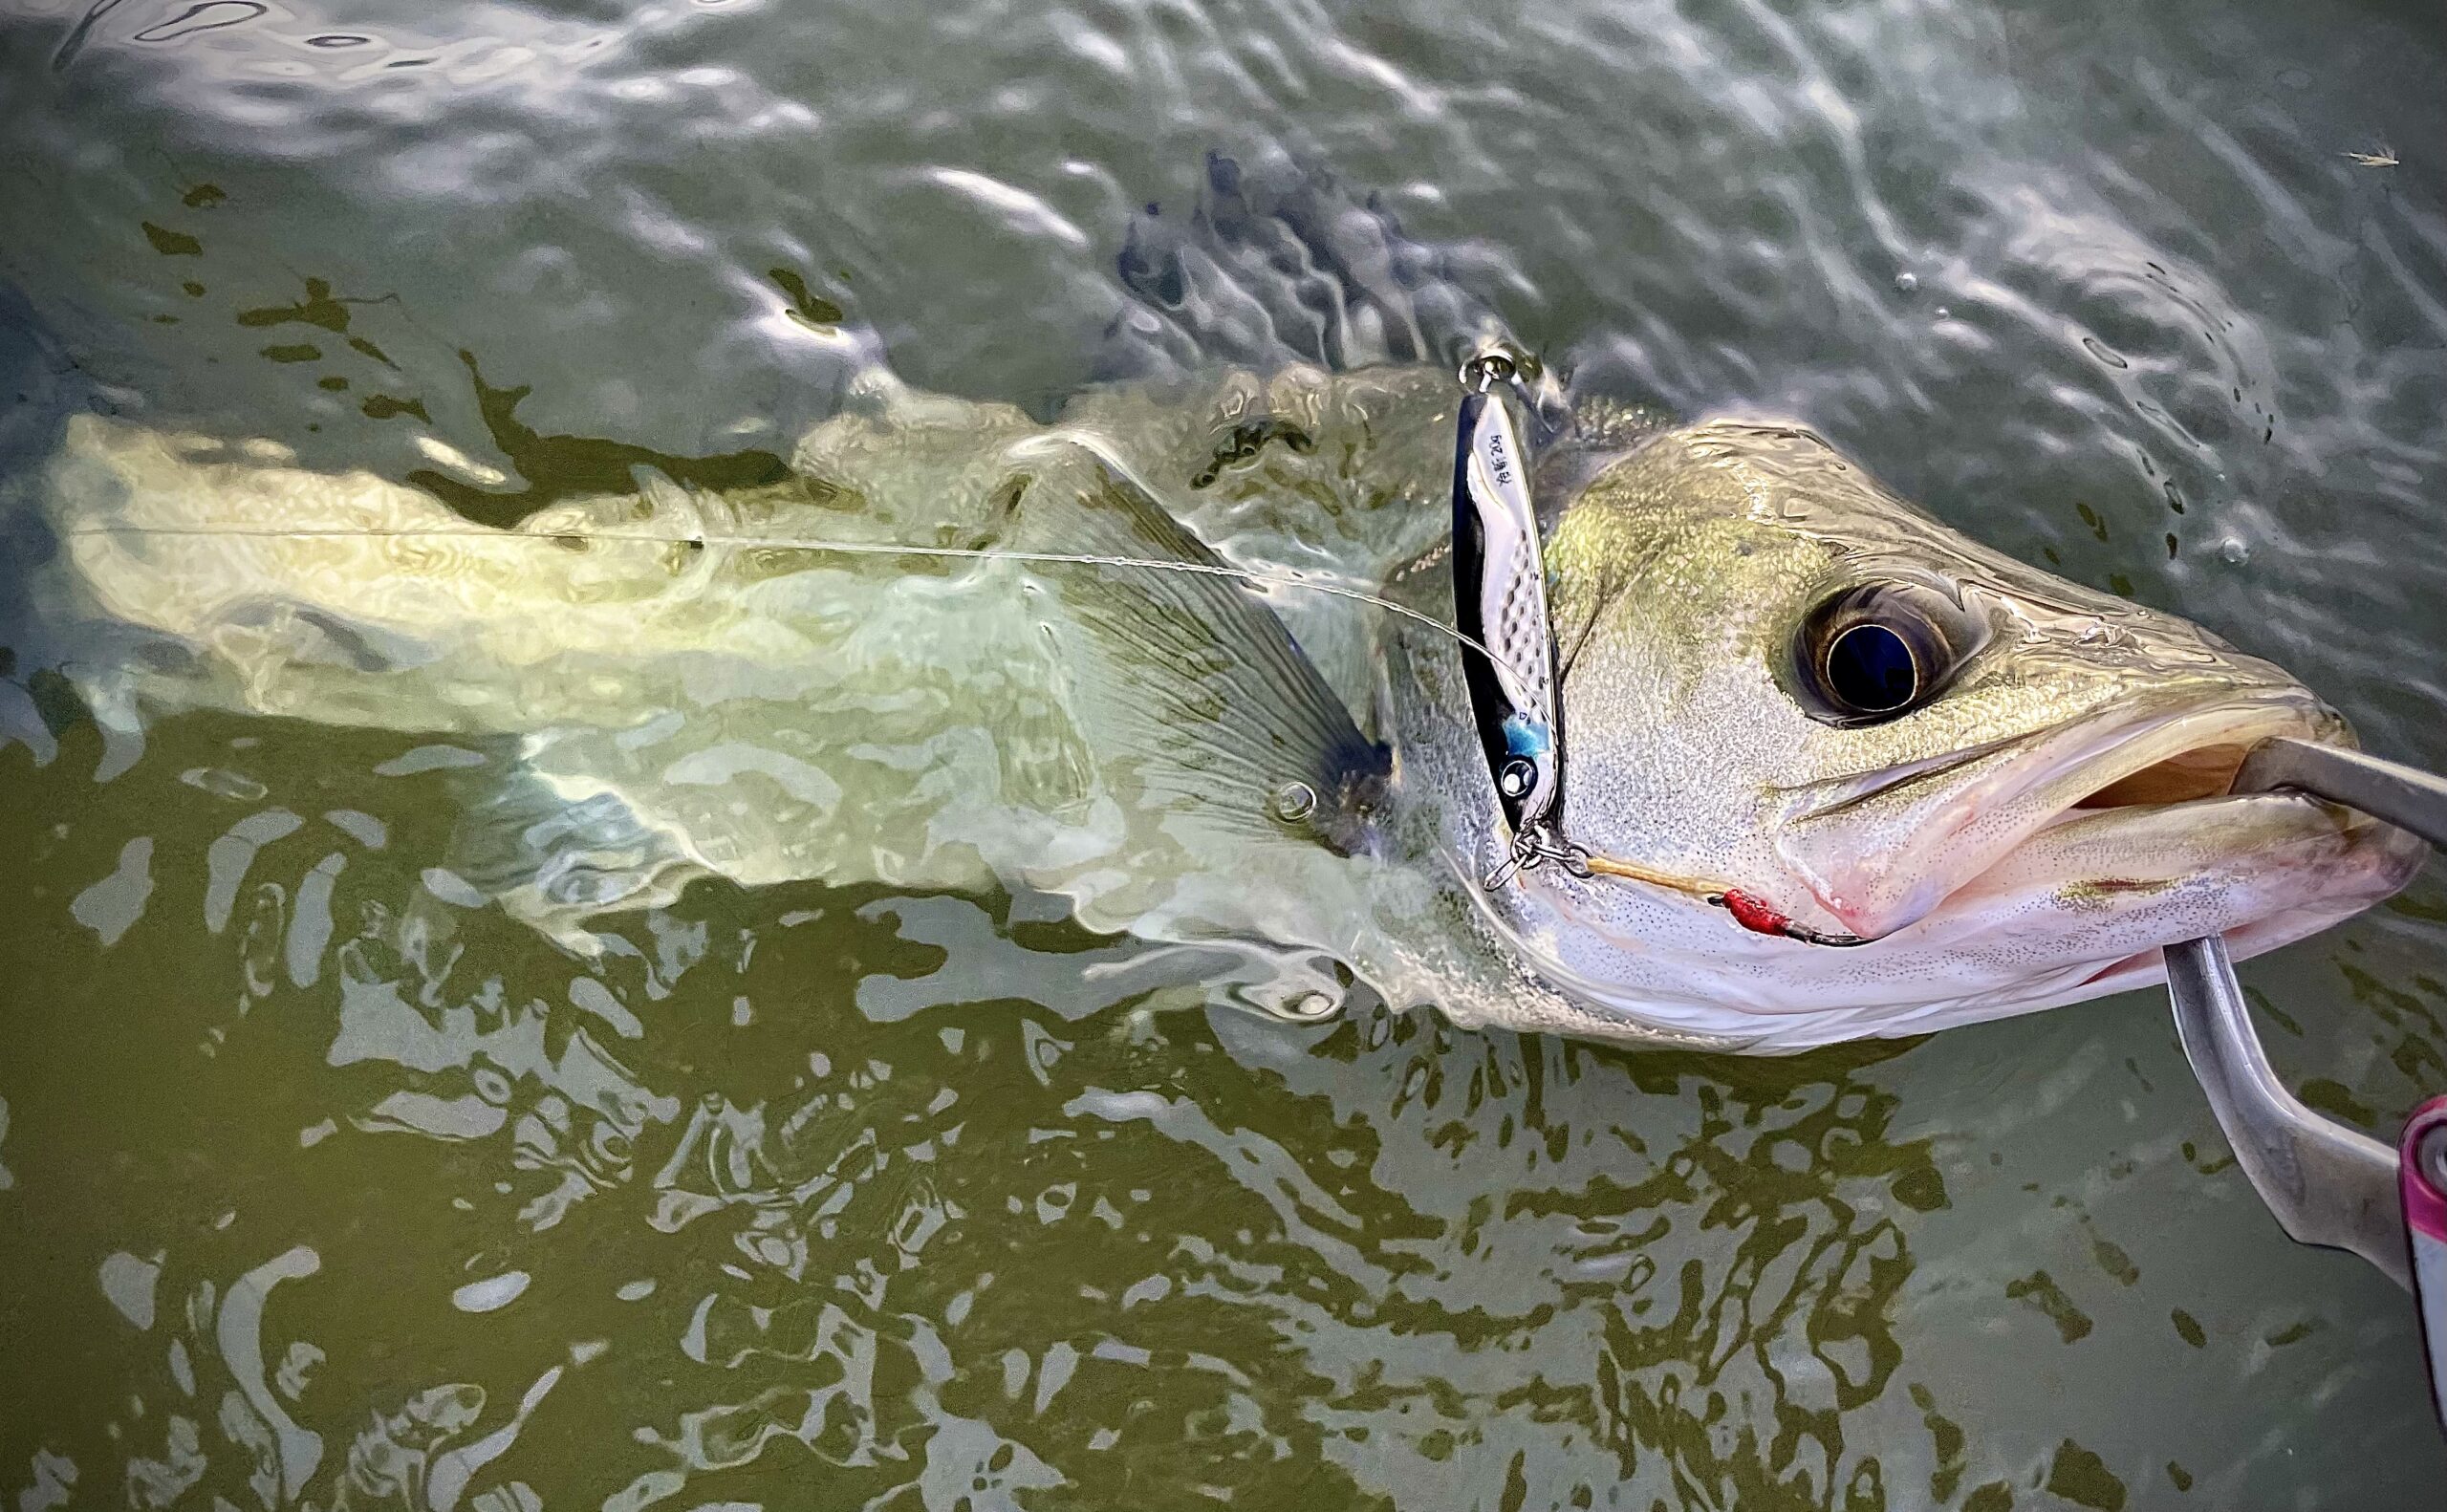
(2011, 788)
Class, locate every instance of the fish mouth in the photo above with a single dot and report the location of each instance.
(2124, 818)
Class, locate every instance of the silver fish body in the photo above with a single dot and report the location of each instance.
(1282, 779)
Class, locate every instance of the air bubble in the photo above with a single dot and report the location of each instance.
(1906, 283)
(1310, 1006)
(2232, 551)
(1294, 801)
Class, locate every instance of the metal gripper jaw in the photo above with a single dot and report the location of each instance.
(2326, 1184)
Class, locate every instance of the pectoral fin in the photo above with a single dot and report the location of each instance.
(1188, 684)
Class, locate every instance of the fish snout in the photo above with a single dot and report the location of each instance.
(1879, 852)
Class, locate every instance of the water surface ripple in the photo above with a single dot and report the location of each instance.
(320, 1188)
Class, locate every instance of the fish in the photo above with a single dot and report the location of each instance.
(2009, 789)
(1181, 660)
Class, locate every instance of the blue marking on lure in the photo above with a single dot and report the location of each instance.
(1523, 736)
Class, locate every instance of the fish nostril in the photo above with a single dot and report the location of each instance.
(2205, 772)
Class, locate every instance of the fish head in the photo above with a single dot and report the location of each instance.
(1778, 679)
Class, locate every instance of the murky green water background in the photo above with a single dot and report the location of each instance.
(317, 1191)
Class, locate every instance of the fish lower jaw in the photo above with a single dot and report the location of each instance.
(1995, 950)
(2134, 879)
(2148, 969)
(2040, 930)
(2164, 765)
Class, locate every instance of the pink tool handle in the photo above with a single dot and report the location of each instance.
(2425, 1205)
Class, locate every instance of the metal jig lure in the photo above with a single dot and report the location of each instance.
(1500, 604)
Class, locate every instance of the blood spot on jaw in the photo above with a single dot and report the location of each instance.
(1755, 914)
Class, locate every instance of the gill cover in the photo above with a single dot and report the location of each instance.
(1509, 661)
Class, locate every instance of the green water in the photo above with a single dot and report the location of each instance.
(319, 1189)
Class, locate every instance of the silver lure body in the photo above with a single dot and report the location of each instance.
(1500, 603)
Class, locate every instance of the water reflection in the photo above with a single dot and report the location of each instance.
(964, 1243)
(778, 1182)
(823, 1198)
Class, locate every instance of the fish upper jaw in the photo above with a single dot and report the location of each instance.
(1880, 852)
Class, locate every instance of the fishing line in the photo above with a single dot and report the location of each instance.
(566, 538)
(1752, 912)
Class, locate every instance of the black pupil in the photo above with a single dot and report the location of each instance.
(1872, 670)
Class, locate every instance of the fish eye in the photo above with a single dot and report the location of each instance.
(1874, 650)
(1872, 669)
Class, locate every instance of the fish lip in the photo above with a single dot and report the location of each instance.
(2046, 776)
